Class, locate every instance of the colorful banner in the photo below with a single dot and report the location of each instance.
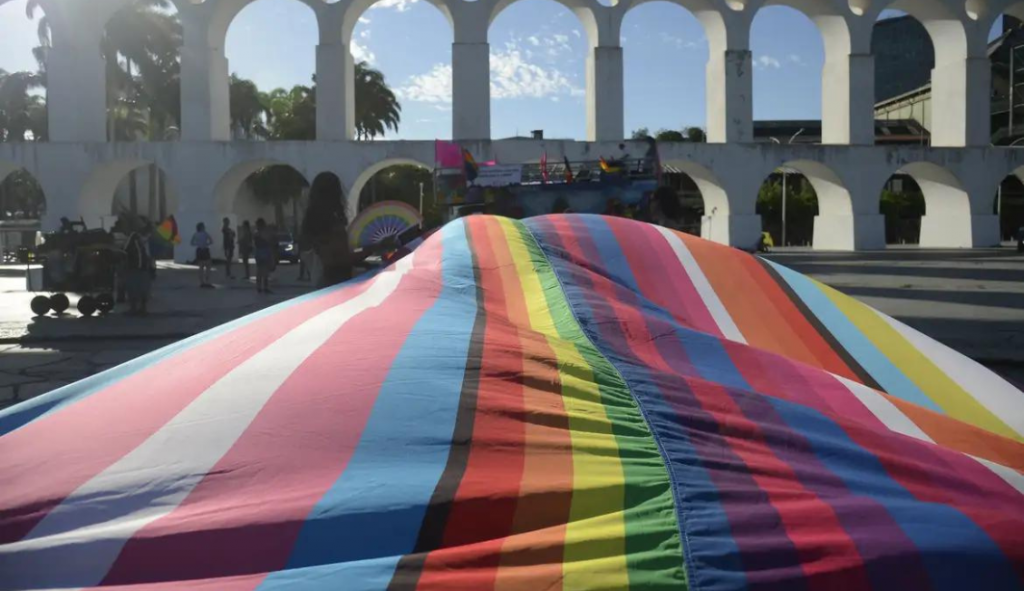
(569, 402)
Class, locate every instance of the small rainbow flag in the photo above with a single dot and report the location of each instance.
(472, 169)
(168, 230)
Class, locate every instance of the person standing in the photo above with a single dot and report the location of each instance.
(264, 252)
(245, 245)
(202, 242)
(138, 269)
(228, 235)
(325, 229)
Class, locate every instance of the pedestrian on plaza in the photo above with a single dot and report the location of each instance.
(138, 269)
(202, 242)
(263, 240)
(325, 228)
(245, 245)
(228, 236)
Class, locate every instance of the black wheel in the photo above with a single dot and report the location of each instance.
(59, 303)
(40, 305)
(86, 306)
(105, 303)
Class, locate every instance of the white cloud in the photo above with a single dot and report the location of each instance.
(766, 61)
(562, 39)
(513, 75)
(576, 32)
(364, 34)
(399, 5)
(364, 20)
(534, 41)
(796, 59)
(433, 87)
(361, 53)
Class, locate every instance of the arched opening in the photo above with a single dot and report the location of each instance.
(271, 51)
(668, 39)
(921, 68)
(274, 191)
(22, 208)
(21, 195)
(788, 206)
(690, 197)
(108, 197)
(409, 182)
(398, 93)
(1009, 206)
(538, 80)
(787, 69)
(703, 198)
(26, 34)
(142, 49)
(926, 204)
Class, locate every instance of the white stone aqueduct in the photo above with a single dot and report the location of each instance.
(79, 170)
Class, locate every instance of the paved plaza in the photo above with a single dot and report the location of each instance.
(971, 300)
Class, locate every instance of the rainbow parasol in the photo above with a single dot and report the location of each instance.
(381, 221)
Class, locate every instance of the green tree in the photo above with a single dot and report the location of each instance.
(641, 134)
(669, 135)
(695, 134)
(21, 197)
(377, 108)
(22, 113)
(278, 186)
(250, 109)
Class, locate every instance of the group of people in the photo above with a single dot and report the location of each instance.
(258, 245)
(325, 258)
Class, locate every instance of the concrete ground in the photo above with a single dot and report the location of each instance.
(971, 300)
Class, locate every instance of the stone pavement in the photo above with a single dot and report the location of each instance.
(971, 300)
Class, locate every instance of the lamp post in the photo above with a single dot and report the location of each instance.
(784, 172)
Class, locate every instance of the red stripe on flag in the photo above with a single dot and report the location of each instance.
(246, 514)
(134, 409)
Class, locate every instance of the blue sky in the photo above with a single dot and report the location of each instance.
(538, 52)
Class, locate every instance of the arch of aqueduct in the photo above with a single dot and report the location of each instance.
(79, 170)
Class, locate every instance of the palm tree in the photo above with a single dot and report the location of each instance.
(42, 31)
(377, 108)
(250, 109)
(21, 112)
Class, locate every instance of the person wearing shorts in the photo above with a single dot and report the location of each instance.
(202, 242)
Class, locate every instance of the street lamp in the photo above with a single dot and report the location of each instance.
(784, 173)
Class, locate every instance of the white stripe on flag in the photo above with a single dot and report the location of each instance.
(887, 412)
(991, 391)
(893, 418)
(1011, 476)
(703, 286)
(79, 540)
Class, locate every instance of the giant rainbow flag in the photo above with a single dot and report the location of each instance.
(569, 402)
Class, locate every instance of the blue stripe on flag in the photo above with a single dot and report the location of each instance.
(372, 515)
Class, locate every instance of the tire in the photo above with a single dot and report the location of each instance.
(59, 303)
(86, 305)
(40, 305)
(105, 303)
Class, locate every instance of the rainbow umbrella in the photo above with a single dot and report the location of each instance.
(381, 221)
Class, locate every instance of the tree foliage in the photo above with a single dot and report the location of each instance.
(686, 134)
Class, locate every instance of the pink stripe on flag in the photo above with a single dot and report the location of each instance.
(661, 277)
(245, 515)
(45, 461)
